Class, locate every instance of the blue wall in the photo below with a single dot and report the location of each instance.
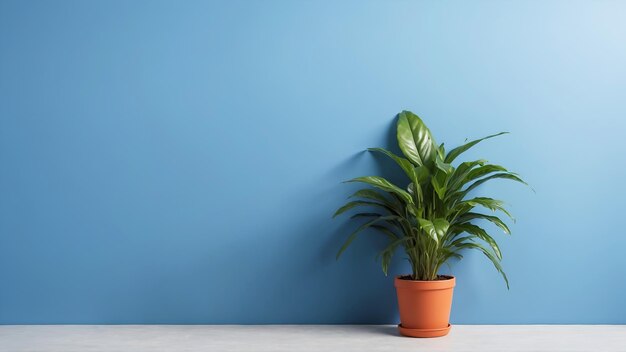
(179, 162)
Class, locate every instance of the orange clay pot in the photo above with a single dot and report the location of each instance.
(425, 306)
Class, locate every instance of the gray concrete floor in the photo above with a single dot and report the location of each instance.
(139, 338)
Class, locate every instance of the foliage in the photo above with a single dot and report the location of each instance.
(433, 217)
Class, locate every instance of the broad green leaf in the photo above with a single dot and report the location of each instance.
(493, 219)
(459, 177)
(459, 240)
(412, 209)
(429, 228)
(454, 153)
(441, 226)
(486, 202)
(484, 170)
(480, 233)
(441, 180)
(460, 194)
(436, 229)
(446, 254)
(415, 139)
(440, 183)
(446, 168)
(385, 185)
(411, 188)
(422, 173)
(441, 151)
(405, 164)
(430, 218)
(507, 175)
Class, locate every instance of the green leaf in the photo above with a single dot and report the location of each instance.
(359, 229)
(441, 151)
(384, 185)
(454, 153)
(484, 170)
(428, 227)
(441, 226)
(494, 260)
(441, 180)
(370, 194)
(423, 173)
(359, 203)
(460, 194)
(386, 231)
(440, 183)
(374, 195)
(414, 190)
(387, 253)
(446, 254)
(436, 229)
(430, 217)
(446, 168)
(415, 139)
(480, 233)
(366, 215)
(486, 202)
(461, 240)
(507, 175)
(493, 219)
(459, 177)
(405, 164)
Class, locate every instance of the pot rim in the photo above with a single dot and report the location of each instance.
(425, 284)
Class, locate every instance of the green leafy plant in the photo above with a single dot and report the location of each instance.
(434, 216)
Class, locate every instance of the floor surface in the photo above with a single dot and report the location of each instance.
(362, 338)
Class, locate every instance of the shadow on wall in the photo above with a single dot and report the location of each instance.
(282, 280)
(352, 289)
(366, 295)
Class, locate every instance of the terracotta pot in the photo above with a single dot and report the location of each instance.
(425, 306)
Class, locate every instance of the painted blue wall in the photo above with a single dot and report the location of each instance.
(179, 162)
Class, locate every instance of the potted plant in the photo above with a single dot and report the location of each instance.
(432, 217)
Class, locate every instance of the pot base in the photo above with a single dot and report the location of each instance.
(424, 332)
